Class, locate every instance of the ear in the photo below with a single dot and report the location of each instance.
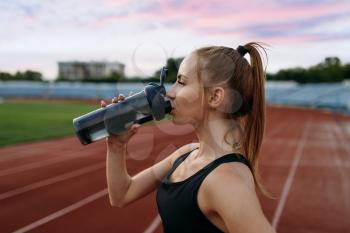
(216, 97)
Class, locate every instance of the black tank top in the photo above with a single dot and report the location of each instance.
(177, 201)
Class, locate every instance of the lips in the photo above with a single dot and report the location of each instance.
(172, 107)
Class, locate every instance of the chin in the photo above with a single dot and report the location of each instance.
(176, 122)
(179, 121)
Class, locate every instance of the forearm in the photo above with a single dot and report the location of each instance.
(118, 179)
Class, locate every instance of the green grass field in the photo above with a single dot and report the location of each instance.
(25, 121)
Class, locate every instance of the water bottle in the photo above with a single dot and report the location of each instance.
(146, 105)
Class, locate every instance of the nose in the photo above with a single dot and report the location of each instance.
(170, 93)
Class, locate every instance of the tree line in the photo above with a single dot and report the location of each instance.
(329, 70)
(27, 75)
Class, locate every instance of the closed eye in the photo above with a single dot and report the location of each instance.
(181, 83)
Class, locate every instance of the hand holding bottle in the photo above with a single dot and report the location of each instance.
(122, 139)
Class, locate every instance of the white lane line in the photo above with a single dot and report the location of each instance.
(342, 133)
(52, 180)
(338, 139)
(154, 225)
(308, 164)
(276, 130)
(9, 154)
(38, 164)
(63, 211)
(290, 177)
(311, 142)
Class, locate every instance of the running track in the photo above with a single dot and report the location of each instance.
(60, 185)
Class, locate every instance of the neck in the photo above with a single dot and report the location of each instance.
(211, 134)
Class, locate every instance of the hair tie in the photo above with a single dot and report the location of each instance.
(242, 50)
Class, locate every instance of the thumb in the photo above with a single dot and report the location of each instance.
(135, 127)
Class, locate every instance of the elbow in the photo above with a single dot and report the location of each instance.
(118, 204)
(118, 198)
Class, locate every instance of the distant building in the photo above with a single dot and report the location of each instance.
(77, 70)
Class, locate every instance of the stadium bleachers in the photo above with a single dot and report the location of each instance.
(335, 96)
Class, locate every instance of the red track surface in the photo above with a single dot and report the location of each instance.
(59, 185)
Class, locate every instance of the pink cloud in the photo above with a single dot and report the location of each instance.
(218, 17)
(208, 14)
(223, 18)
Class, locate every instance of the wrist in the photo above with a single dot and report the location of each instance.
(116, 147)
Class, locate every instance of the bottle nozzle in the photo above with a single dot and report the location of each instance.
(163, 74)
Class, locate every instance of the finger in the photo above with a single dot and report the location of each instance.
(135, 127)
(133, 131)
(121, 97)
(116, 99)
(103, 103)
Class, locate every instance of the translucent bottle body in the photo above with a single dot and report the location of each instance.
(115, 118)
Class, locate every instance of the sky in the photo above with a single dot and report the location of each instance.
(36, 34)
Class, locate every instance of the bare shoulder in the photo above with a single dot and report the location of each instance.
(183, 150)
(235, 173)
(229, 190)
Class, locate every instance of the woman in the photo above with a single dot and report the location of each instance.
(207, 186)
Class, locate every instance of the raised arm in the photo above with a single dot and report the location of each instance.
(124, 189)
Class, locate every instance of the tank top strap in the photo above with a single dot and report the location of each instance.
(181, 158)
(232, 157)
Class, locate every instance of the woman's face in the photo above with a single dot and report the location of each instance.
(185, 94)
